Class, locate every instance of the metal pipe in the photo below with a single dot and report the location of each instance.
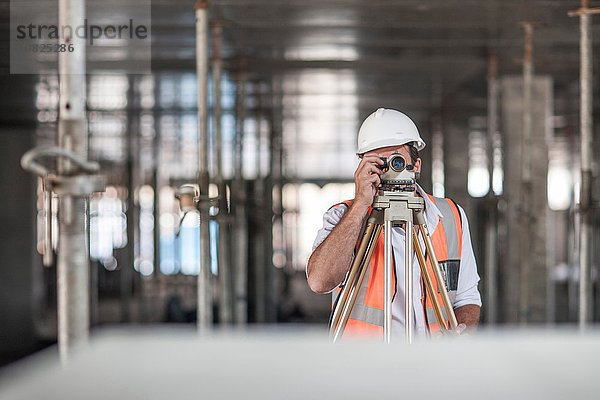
(224, 248)
(240, 114)
(146, 305)
(585, 209)
(204, 311)
(491, 235)
(73, 254)
(126, 281)
(259, 234)
(526, 181)
(30, 163)
(274, 275)
(409, 315)
(217, 68)
(239, 205)
(48, 257)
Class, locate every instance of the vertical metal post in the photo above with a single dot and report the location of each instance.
(217, 67)
(48, 258)
(126, 278)
(409, 316)
(224, 248)
(275, 195)
(149, 282)
(437, 139)
(491, 237)
(525, 248)
(239, 206)
(585, 210)
(204, 312)
(387, 283)
(259, 235)
(73, 266)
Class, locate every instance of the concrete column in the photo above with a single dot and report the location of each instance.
(529, 222)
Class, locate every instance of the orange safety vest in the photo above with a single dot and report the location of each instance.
(367, 317)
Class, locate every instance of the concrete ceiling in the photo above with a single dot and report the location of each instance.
(415, 55)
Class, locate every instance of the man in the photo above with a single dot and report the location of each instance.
(382, 134)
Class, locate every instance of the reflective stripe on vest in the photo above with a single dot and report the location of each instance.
(367, 315)
(362, 312)
(451, 228)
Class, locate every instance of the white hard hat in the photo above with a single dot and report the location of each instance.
(387, 127)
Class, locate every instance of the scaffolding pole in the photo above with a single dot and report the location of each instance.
(526, 176)
(74, 180)
(585, 209)
(224, 244)
(261, 193)
(491, 237)
(275, 194)
(585, 202)
(204, 311)
(239, 205)
(73, 265)
(126, 275)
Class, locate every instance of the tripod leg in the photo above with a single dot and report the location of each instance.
(354, 270)
(345, 307)
(409, 310)
(387, 283)
(437, 309)
(438, 277)
(352, 275)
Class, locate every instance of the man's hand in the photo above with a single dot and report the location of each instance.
(366, 180)
(467, 317)
(460, 329)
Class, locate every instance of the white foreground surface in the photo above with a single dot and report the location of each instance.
(160, 363)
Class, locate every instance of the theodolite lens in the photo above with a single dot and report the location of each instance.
(397, 163)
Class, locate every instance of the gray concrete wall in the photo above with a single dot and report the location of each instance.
(526, 224)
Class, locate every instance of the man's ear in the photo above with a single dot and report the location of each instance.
(418, 165)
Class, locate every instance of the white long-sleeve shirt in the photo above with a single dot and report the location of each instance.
(468, 278)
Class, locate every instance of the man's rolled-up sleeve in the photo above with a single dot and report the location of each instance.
(467, 291)
(330, 220)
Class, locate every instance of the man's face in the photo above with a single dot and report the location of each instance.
(402, 150)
